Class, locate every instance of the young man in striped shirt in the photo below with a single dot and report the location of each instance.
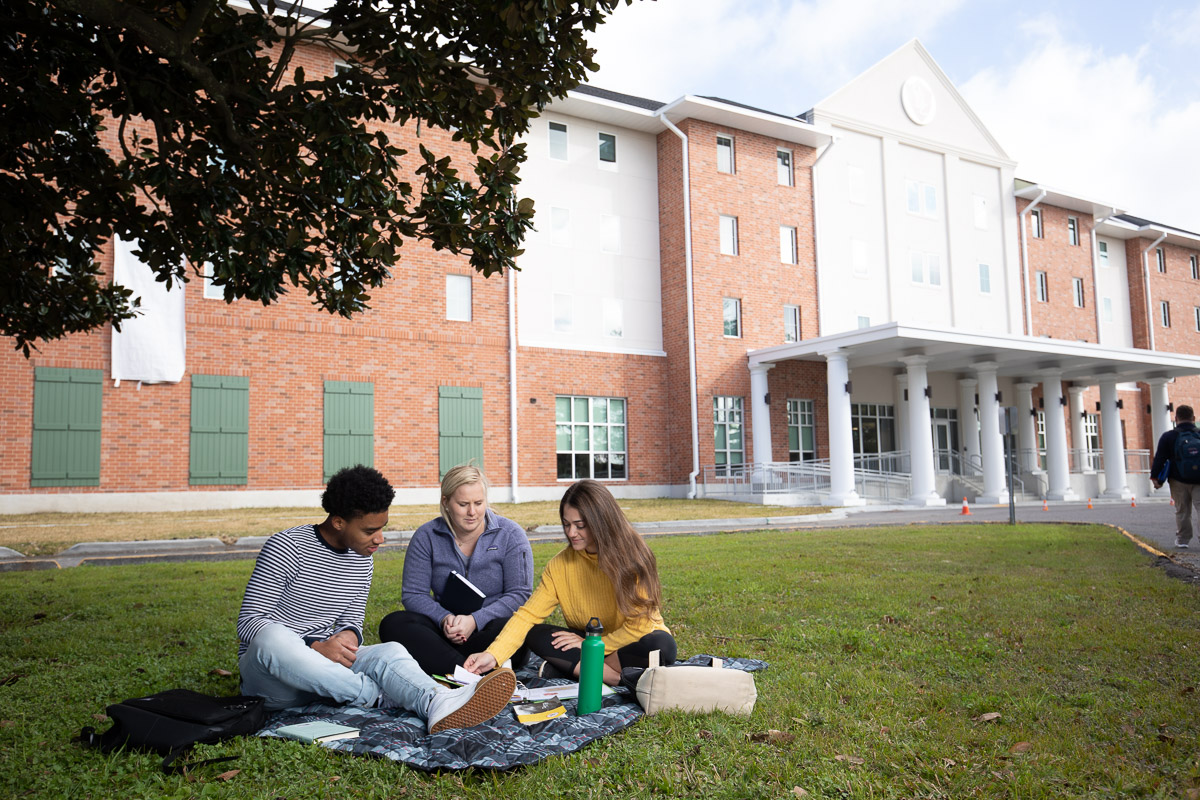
(301, 623)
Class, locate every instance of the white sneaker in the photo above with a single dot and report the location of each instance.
(1181, 545)
(471, 705)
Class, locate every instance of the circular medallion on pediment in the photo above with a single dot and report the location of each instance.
(918, 100)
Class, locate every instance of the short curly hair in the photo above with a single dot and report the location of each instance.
(357, 491)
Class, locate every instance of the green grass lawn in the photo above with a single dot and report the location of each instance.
(888, 648)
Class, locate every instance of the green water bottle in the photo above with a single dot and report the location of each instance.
(591, 669)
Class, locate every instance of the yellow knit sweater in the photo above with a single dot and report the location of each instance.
(573, 580)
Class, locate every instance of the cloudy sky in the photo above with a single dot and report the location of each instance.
(1100, 99)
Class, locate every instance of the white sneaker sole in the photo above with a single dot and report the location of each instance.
(492, 695)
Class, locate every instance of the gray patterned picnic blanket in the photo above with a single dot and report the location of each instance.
(501, 743)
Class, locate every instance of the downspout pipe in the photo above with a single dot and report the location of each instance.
(691, 318)
(1025, 262)
(512, 381)
(1146, 277)
(1096, 273)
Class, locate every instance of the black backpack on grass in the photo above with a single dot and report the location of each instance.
(170, 722)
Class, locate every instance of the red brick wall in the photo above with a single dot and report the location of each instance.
(1062, 262)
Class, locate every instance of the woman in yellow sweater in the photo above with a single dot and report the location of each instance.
(606, 571)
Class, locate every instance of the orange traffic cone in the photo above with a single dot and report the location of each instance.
(1133, 502)
(1089, 502)
(966, 511)
(1045, 506)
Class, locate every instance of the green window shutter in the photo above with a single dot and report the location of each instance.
(460, 427)
(66, 427)
(220, 440)
(349, 425)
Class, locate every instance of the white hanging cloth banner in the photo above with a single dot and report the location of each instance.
(150, 347)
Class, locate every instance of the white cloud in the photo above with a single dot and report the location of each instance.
(1095, 124)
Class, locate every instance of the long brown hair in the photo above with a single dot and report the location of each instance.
(622, 554)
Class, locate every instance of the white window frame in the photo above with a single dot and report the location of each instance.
(791, 323)
(1164, 313)
(581, 429)
(560, 226)
(1106, 307)
(1073, 231)
(613, 317)
(787, 245)
(1102, 252)
(1160, 258)
(784, 173)
(1043, 287)
(211, 290)
(1196, 310)
(856, 184)
(801, 415)
(1194, 262)
(859, 257)
(725, 141)
(1077, 291)
(558, 143)
(1037, 227)
(734, 305)
(610, 165)
(921, 198)
(458, 304)
(985, 279)
(728, 231)
(863, 322)
(563, 313)
(728, 417)
(610, 234)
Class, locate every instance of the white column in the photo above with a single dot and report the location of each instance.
(990, 441)
(1114, 448)
(902, 437)
(1056, 440)
(968, 425)
(1075, 415)
(924, 491)
(1160, 420)
(841, 447)
(1027, 428)
(760, 414)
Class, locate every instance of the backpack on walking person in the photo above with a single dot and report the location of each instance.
(1187, 455)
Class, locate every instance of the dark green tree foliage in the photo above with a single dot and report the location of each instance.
(227, 152)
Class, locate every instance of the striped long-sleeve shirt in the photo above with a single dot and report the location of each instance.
(303, 583)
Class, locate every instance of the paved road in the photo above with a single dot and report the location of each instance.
(1151, 522)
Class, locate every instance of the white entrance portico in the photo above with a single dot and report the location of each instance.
(993, 365)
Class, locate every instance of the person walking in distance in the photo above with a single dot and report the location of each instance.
(1177, 462)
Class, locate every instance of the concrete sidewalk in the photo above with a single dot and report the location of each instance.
(1151, 523)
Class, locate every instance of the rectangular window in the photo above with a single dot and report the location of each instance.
(912, 192)
(560, 227)
(1077, 290)
(558, 141)
(858, 257)
(1160, 257)
(349, 425)
(1196, 311)
(1035, 223)
(1195, 264)
(1102, 250)
(1073, 231)
(728, 442)
(729, 235)
(564, 318)
(731, 314)
(460, 427)
(856, 185)
(981, 213)
(917, 261)
(458, 298)
(985, 279)
(1164, 311)
(873, 431)
(1043, 288)
(610, 234)
(921, 198)
(589, 434)
(220, 430)
(1106, 304)
(791, 323)
(931, 201)
(933, 267)
(614, 317)
(211, 290)
(864, 322)
(608, 149)
(801, 430)
(783, 169)
(787, 244)
(66, 427)
(725, 154)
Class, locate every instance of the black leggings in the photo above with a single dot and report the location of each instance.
(539, 640)
(436, 654)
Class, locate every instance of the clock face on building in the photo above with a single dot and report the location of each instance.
(917, 98)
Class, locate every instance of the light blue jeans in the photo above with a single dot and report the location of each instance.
(280, 667)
